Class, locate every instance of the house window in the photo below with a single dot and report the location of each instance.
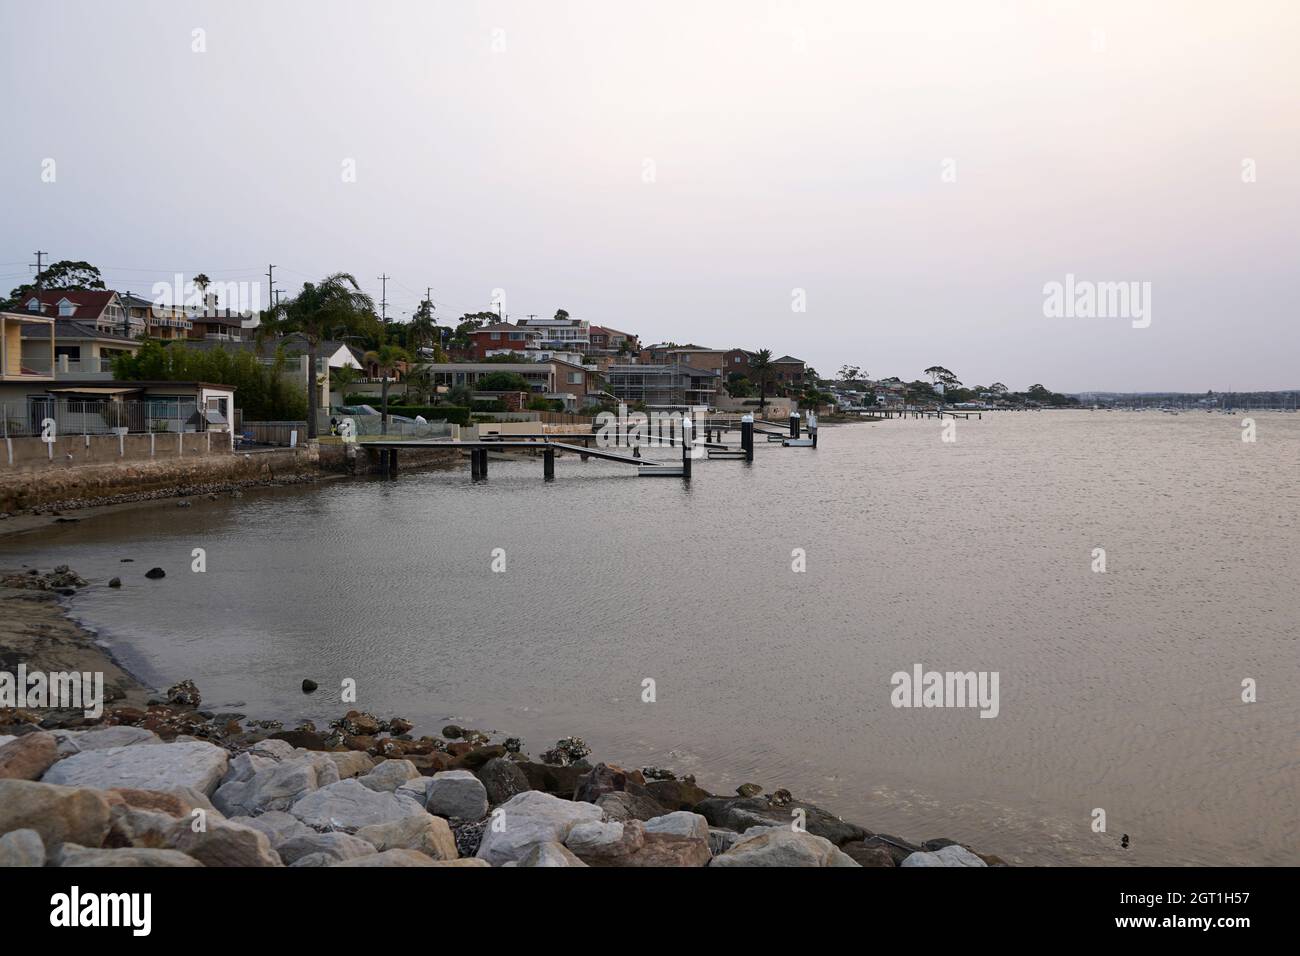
(496, 336)
(33, 305)
(66, 308)
(575, 378)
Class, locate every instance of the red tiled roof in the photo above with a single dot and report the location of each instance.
(89, 304)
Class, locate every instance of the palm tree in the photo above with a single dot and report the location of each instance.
(760, 366)
(423, 328)
(387, 357)
(333, 307)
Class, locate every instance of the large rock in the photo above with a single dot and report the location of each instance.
(502, 779)
(456, 794)
(190, 764)
(671, 849)
(70, 854)
(22, 848)
(607, 778)
(550, 854)
(551, 779)
(274, 788)
(605, 844)
(677, 794)
(58, 814)
(953, 855)
(427, 834)
(897, 848)
(868, 855)
(389, 775)
(28, 757)
(406, 858)
(741, 813)
(528, 819)
(277, 825)
(347, 805)
(629, 806)
(322, 849)
(680, 823)
(781, 846)
(120, 735)
(352, 763)
(222, 843)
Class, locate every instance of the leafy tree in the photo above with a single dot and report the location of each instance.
(332, 308)
(502, 382)
(64, 274)
(561, 314)
(386, 358)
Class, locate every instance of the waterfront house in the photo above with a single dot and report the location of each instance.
(502, 337)
(97, 406)
(162, 322)
(560, 333)
(663, 385)
(101, 308)
(82, 350)
(26, 362)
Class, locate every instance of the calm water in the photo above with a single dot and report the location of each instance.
(1118, 690)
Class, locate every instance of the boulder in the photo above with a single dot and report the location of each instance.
(406, 858)
(58, 814)
(952, 855)
(120, 735)
(389, 775)
(781, 846)
(607, 778)
(605, 844)
(629, 806)
(680, 823)
(70, 854)
(322, 849)
(551, 779)
(749, 790)
(347, 805)
(192, 764)
(671, 849)
(741, 813)
(456, 794)
(502, 779)
(897, 848)
(28, 757)
(868, 855)
(677, 794)
(22, 848)
(427, 834)
(223, 843)
(277, 825)
(528, 819)
(720, 841)
(473, 759)
(550, 854)
(352, 763)
(275, 788)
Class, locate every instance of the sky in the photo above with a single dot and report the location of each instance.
(886, 185)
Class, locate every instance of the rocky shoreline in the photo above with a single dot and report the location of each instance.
(162, 781)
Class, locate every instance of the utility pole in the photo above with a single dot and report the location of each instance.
(37, 263)
(270, 287)
(383, 300)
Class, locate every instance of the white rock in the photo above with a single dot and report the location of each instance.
(277, 825)
(390, 775)
(417, 789)
(948, 856)
(322, 848)
(426, 833)
(352, 763)
(456, 794)
(192, 764)
(528, 819)
(680, 823)
(22, 848)
(548, 854)
(76, 741)
(347, 805)
(274, 788)
(781, 846)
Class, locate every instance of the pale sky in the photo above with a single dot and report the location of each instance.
(679, 169)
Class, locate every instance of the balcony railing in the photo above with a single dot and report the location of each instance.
(100, 417)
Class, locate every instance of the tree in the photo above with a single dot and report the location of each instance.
(502, 382)
(333, 307)
(386, 358)
(561, 314)
(850, 373)
(64, 274)
(422, 330)
(470, 322)
(760, 367)
(341, 378)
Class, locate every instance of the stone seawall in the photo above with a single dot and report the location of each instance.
(76, 486)
(356, 459)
